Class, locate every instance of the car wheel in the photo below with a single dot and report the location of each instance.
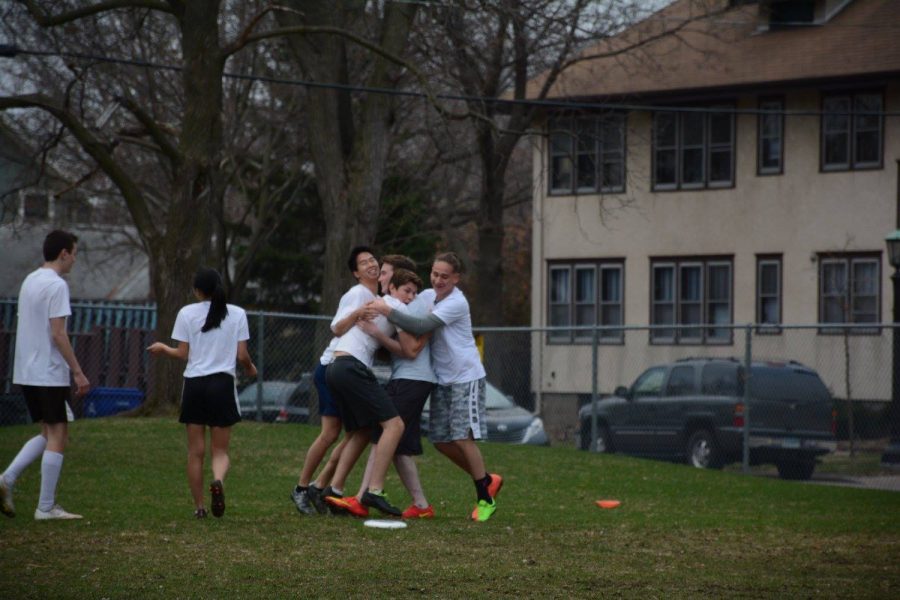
(604, 443)
(703, 451)
(796, 469)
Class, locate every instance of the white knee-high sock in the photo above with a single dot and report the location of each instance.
(29, 453)
(51, 465)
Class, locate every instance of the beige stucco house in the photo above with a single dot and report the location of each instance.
(742, 171)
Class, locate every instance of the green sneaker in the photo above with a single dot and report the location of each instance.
(484, 510)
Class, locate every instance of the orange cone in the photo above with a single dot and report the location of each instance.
(608, 503)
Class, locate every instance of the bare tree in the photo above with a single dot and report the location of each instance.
(349, 134)
(507, 50)
(167, 160)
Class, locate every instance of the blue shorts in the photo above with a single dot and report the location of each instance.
(327, 406)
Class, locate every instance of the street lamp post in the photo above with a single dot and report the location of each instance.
(891, 456)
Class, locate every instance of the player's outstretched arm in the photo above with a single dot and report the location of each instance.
(414, 325)
(181, 352)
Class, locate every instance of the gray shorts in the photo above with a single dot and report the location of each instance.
(456, 410)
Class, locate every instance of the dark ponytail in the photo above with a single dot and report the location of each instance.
(209, 282)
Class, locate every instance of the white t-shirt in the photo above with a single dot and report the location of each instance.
(214, 351)
(328, 356)
(44, 295)
(357, 342)
(350, 301)
(454, 355)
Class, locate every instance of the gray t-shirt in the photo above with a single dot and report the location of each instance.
(419, 368)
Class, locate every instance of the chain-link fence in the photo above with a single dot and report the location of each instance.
(757, 392)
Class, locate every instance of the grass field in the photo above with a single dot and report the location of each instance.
(680, 532)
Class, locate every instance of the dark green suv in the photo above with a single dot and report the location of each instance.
(693, 410)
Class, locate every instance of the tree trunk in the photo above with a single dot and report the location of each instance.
(349, 142)
(184, 244)
(488, 268)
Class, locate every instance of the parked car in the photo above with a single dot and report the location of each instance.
(282, 401)
(506, 422)
(693, 410)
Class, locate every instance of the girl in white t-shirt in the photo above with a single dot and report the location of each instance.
(212, 336)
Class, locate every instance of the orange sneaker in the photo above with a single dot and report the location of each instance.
(414, 512)
(493, 490)
(350, 504)
(496, 484)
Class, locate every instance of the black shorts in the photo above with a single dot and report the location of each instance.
(47, 403)
(409, 397)
(210, 400)
(361, 400)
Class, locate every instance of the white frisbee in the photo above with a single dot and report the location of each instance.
(384, 524)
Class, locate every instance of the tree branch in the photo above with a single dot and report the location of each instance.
(243, 37)
(156, 133)
(131, 193)
(47, 20)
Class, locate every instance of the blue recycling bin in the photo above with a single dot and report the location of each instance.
(105, 401)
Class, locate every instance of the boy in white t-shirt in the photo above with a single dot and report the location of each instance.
(309, 496)
(44, 360)
(363, 404)
(412, 380)
(457, 416)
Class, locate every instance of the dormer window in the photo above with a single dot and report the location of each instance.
(785, 14)
(792, 13)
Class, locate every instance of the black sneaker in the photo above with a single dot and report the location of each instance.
(331, 508)
(317, 498)
(217, 498)
(200, 513)
(380, 502)
(301, 501)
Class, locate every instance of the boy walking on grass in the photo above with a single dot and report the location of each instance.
(43, 364)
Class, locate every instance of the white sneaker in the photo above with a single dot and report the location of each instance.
(6, 500)
(57, 512)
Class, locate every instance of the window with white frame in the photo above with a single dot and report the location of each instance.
(583, 294)
(560, 304)
(587, 154)
(691, 293)
(852, 131)
(770, 137)
(849, 290)
(768, 293)
(693, 149)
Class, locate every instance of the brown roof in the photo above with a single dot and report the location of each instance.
(729, 49)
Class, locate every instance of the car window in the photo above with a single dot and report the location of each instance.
(495, 399)
(787, 385)
(681, 381)
(720, 379)
(272, 392)
(300, 396)
(649, 383)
